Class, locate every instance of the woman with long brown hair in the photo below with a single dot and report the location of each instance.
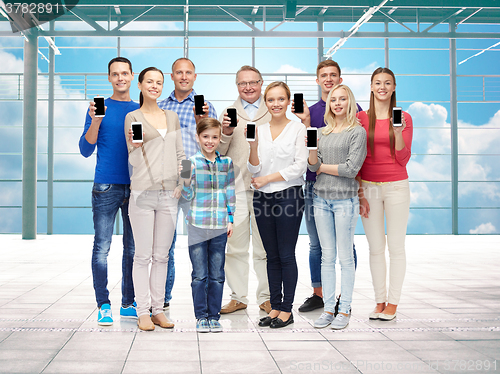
(384, 190)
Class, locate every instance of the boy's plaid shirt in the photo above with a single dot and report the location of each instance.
(211, 192)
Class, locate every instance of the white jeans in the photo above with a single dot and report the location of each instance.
(393, 198)
(153, 216)
(237, 256)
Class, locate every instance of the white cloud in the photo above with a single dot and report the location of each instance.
(484, 228)
(289, 69)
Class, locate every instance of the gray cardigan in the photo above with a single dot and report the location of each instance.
(347, 150)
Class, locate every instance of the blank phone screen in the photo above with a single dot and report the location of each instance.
(137, 130)
(250, 131)
(396, 120)
(312, 138)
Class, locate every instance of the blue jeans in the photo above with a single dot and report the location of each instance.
(207, 251)
(336, 221)
(278, 217)
(107, 199)
(314, 244)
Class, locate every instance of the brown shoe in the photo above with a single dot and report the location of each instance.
(161, 320)
(266, 306)
(144, 322)
(232, 306)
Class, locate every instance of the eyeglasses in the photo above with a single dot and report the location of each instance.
(251, 83)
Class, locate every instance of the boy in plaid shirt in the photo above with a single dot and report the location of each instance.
(211, 190)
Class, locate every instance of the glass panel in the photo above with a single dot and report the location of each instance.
(66, 140)
(479, 221)
(478, 168)
(11, 166)
(411, 61)
(72, 194)
(12, 194)
(12, 139)
(429, 168)
(430, 194)
(479, 140)
(478, 114)
(10, 220)
(429, 221)
(73, 221)
(74, 167)
(41, 193)
(70, 114)
(479, 194)
(429, 115)
(431, 141)
(41, 220)
(422, 88)
(220, 60)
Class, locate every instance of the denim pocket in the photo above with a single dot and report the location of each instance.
(101, 187)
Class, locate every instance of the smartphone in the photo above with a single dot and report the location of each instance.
(397, 114)
(186, 169)
(137, 130)
(231, 113)
(312, 138)
(99, 106)
(251, 128)
(199, 101)
(298, 103)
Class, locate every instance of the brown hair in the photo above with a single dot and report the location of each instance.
(326, 63)
(141, 78)
(248, 68)
(278, 84)
(373, 117)
(207, 123)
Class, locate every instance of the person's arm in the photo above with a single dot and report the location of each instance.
(364, 207)
(179, 153)
(227, 133)
(403, 137)
(188, 192)
(92, 124)
(135, 156)
(230, 192)
(305, 116)
(253, 164)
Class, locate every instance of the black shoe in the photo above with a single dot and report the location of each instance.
(312, 303)
(266, 321)
(166, 306)
(278, 323)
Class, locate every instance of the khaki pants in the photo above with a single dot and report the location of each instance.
(153, 216)
(393, 199)
(237, 255)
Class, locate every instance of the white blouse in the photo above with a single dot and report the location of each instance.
(287, 154)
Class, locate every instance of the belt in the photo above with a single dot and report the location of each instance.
(377, 183)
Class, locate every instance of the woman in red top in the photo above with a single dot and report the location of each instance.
(383, 189)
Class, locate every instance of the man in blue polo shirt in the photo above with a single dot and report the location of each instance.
(327, 77)
(181, 101)
(111, 189)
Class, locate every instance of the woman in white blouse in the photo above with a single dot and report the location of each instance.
(278, 160)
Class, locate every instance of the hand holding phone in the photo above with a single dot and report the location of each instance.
(397, 117)
(186, 169)
(312, 138)
(99, 106)
(137, 132)
(199, 101)
(298, 103)
(251, 129)
(231, 113)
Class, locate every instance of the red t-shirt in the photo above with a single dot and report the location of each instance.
(383, 167)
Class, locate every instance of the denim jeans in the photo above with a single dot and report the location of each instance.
(336, 221)
(207, 251)
(278, 217)
(107, 199)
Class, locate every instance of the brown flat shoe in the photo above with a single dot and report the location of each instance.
(232, 306)
(144, 323)
(161, 320)
(266, 306)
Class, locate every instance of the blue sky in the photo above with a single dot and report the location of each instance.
(421, 89)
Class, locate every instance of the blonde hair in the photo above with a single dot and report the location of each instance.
(278, 84)
(351, 118)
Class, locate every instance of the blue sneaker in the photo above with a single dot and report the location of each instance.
(215, 326)
(202, 325)
(129, 311)
(105, 317)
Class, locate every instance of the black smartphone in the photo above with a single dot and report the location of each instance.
(397, 117)
(312, 138)
(186, 169)
(231, 113)
(199, 101)
(251, 127)
(298, 103)
(99, 106)
(137, 130)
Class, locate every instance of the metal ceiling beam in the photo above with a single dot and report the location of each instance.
(132, 19)
(239, 18)
(444, 19)
(396, 21)
(472, 15)
(81, 15)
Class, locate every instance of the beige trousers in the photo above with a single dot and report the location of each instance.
(153, 216)
(393, 199)
(237, 255)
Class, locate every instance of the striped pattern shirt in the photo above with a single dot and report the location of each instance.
(212, 192)
(184, 110)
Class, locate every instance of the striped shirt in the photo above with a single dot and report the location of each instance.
(184, 110)
(211, 192)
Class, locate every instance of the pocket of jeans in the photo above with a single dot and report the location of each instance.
(101, 187)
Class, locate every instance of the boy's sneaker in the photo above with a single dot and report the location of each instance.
(324, 320)
(129, 311)
(312, 303)
(340, 322)
(202, 325)
(215, 326)
(104, 316)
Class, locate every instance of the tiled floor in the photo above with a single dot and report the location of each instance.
(448, 321)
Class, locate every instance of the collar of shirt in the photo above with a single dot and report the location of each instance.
(322, 103)
(202, 156)
(190, 97)
(246, 104)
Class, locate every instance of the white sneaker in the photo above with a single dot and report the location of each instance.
(324, 320)
(340, 322)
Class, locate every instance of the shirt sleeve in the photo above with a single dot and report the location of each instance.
(403, 156)
(86, 149)
(211, 110)
(135, 156)
(225, 140)
(179, 147)
(356, 155)
(299, 166)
